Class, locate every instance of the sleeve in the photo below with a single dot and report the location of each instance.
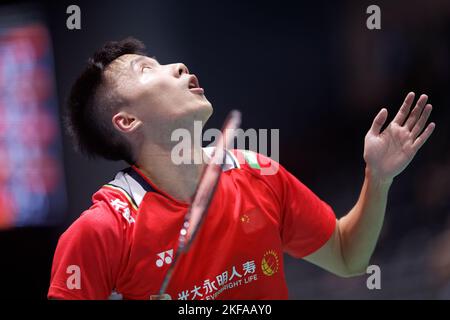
(87, 256)
(306, 221)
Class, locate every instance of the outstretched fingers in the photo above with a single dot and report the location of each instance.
(419, 142)
(420, 124)
(416, 112)
(404, 109)
(379, 121)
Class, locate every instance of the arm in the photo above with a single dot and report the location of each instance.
(349, 249)
(387, 154)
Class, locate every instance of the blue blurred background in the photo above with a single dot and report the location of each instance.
(311, 69)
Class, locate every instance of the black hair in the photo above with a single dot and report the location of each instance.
(91, 102)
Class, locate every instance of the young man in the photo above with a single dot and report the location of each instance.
(125, 106)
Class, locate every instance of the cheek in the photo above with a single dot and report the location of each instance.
(149, 90)
(164, 93)
(158, 95)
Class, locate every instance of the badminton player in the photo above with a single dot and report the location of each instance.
(124, 106)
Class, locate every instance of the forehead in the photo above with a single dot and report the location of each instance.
(122, 66)
(127, 61)
(123, 62)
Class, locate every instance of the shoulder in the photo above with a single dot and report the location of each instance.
(97, 222)
(261, 172)
(114, 208)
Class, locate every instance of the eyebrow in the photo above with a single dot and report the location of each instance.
(138, 60)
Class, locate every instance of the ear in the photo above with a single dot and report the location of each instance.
(125, 122)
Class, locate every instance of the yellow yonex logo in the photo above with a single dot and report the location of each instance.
(270, 263)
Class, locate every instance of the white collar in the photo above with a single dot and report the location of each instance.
(230, 160)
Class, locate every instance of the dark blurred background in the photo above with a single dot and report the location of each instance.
(311, 69)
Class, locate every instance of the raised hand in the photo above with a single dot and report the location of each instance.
(389, 152)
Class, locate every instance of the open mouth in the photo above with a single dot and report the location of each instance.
(194, 85)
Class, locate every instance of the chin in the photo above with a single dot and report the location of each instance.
(208, 111)
(193, 111)
(202, 111)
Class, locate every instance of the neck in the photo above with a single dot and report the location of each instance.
(178, 181)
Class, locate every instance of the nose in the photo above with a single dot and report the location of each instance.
(179, 69)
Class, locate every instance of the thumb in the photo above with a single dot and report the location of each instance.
(379, 121)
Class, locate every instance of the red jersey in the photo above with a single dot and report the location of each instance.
(125, 241)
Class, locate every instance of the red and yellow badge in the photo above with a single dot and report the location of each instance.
(270, 263)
